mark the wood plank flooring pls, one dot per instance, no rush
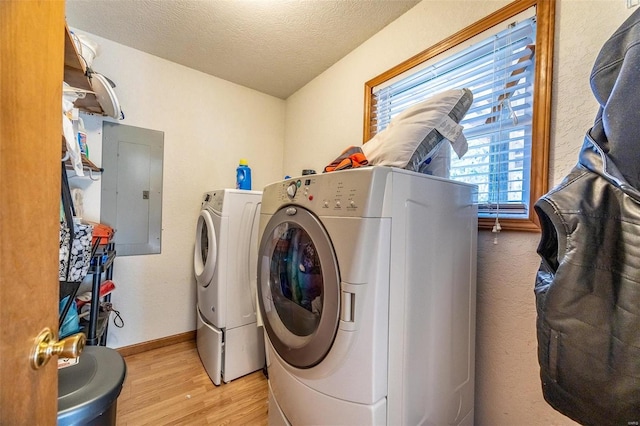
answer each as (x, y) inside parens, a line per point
(169, 386)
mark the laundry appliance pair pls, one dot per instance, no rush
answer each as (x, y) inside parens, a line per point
(229, 342)
(367, 290)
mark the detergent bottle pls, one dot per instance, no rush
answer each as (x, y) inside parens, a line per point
(243, 175)
(82, 138)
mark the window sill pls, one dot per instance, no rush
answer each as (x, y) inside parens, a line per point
(523, 225)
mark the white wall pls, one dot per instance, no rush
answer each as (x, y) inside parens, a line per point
(326, 116)
(208, 125)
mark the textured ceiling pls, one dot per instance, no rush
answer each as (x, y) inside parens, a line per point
(273, 46)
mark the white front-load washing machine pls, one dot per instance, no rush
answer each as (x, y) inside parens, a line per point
(230, 343)
(366, 286)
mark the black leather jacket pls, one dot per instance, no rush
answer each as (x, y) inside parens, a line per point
(588, 284)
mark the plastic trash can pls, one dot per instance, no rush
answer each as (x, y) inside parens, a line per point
(88, 391)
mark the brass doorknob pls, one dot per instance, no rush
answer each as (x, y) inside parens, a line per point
(46, 346)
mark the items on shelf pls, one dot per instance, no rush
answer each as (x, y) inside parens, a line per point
(73, 151)
(87, 165)
(75, 75)
(102, 233)
(105, 288)
(95, 323)
(96, 91)
(85, 249)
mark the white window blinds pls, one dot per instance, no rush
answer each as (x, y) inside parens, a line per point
(499, 70)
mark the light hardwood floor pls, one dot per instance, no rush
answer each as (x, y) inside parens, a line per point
(169, 386)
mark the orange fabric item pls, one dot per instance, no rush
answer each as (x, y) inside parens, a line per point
(350, 158)
(101, 233)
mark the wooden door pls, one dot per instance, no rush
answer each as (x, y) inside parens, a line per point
(31, 74)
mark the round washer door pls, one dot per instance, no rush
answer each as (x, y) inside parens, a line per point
(298, 286)
(205, 254)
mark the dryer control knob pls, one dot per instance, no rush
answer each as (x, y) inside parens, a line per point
(291, 190)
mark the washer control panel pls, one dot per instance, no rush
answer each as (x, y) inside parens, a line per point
(215, 199)
(334, 194)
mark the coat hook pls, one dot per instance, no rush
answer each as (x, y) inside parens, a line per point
(91, 175)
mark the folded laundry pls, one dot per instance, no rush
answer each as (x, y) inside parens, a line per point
(350, 158)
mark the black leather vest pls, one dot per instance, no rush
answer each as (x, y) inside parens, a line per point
(588, 293)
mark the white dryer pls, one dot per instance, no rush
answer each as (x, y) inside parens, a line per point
(229, 342)
(366, 286)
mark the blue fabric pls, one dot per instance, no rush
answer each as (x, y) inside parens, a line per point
(71, 323)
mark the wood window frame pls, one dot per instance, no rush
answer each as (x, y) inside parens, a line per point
(541, 127)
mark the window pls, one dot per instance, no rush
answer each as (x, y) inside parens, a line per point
(505, 59)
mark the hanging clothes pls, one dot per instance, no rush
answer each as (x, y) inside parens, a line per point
(588, 285)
